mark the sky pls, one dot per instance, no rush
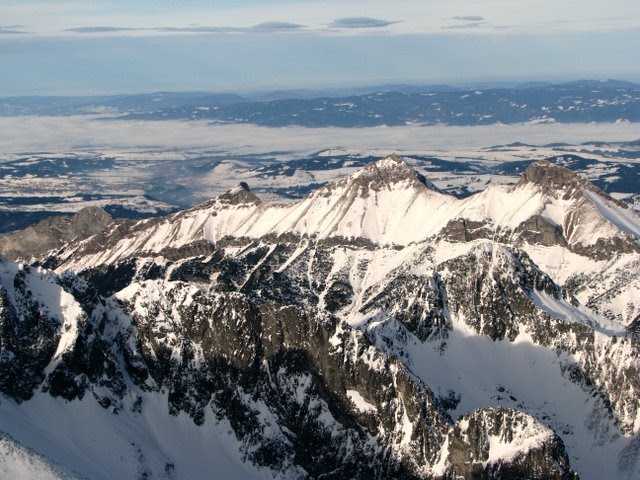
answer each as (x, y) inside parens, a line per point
(121, 46)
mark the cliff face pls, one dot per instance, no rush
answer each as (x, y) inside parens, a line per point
(299, 387)
(53, 232)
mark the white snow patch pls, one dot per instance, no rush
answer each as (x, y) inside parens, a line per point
(523, 376)
(560, 263)
(19, 463)
(624, 219)
(563, 310)
(360, 403)
(531, 435)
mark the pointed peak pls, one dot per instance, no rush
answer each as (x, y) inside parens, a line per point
(560, 181)
(545, 173)
(238, 195)
(554, 178)
(391, 162)
(388, 171)
(92, 213)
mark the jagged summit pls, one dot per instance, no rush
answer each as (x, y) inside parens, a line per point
(384, 175)
(583, 211)
(553, 179)
(559, 181)
(388, 203)
(389, 170)
(545, 173)
(241, 194)
(53, 232)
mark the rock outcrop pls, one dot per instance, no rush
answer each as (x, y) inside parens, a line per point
(53, 232)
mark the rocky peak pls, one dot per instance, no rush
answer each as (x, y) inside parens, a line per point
(89, 220)
(386, 172)
(53, 232)
(239, 195)
(550, 177)
(559, 181)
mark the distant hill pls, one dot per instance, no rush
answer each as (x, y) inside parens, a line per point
(394, 104)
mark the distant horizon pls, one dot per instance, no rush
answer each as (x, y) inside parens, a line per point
(337, 89)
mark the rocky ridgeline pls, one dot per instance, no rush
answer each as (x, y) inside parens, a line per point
(53, 232)
(233, 354)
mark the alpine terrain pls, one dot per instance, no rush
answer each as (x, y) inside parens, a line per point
(377, 328)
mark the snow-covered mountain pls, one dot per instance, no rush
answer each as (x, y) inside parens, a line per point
(145, 182)
(377, 328)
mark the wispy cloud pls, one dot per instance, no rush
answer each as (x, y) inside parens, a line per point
(266, 27)
(361, 22)
(276, 27)
(463, 25)
(470, 21)
(13, 29)
(148, 17)
(469, 18)
(101, 29)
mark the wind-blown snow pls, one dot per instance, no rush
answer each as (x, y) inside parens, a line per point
(563, 310)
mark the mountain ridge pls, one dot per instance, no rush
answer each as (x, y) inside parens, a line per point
(479, 350)
(375, 208)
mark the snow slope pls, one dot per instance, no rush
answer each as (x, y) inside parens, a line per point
(93, 443)
(523, 376)
(20, 463)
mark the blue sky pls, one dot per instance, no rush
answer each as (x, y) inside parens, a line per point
(97, 46)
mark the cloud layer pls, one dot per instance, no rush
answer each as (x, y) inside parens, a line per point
(463, 25)
(20, 134)
(100, 29)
